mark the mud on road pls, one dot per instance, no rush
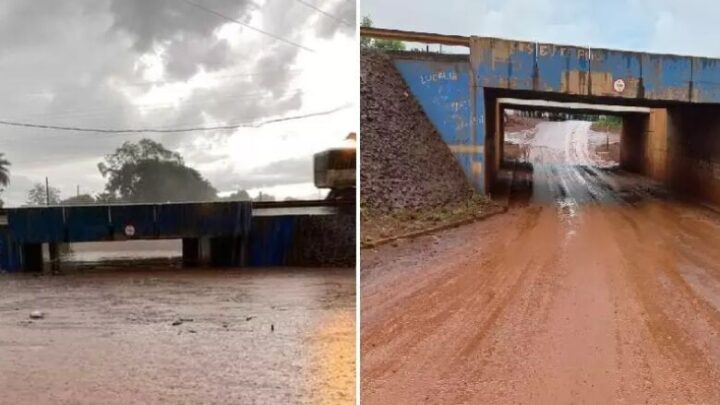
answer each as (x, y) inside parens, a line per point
(177, 336)
(597, 287)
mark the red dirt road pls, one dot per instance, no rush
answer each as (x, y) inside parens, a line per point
(598, 289)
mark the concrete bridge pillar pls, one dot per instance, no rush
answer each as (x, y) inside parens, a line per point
(644, 144)
(216, 252)
(196, 251)
(54, 257)
(32, 257)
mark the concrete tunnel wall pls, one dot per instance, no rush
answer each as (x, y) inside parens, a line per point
(644, 144)
(693, 151)
(678, 146)
(446, 92)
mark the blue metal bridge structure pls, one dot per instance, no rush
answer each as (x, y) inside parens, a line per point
(258, 234)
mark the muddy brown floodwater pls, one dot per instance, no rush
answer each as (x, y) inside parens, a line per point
(596, 287)
(244, 336)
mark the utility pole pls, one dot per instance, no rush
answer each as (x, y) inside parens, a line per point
(47, 191)
(77, 191)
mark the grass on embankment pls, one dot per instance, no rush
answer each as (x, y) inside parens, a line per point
(608, 123)
(377, 228)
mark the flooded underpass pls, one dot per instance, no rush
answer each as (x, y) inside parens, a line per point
(114, 333)
(597, 286)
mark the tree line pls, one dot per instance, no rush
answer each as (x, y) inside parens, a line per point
(142, 172)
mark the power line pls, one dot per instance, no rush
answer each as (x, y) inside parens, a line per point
(201, 101)
(211, 77)
(175, 130)
(271, 35)
(323, 12)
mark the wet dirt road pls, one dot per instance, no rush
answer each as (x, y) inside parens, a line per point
(596, 287)
(108, 337)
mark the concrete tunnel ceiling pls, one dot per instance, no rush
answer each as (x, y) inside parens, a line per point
(530, 104)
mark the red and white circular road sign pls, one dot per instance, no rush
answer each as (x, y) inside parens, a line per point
(619, 85)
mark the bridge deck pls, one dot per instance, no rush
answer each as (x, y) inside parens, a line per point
(239, 233)
(575, 70)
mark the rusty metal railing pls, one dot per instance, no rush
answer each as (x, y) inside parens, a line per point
(414, 36)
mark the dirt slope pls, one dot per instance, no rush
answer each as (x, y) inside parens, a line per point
(404, 162)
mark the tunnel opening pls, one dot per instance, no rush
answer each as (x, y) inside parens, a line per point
(571, 153)
(169, 253)
(113, 254)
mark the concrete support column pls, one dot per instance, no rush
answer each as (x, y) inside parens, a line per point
(227, 252)
(196, 251)
(32, 257)
(633, 142)
(656, 147)
(54, 257)
(644, 144)
(205, 250)
(189, 252)
(216, 251)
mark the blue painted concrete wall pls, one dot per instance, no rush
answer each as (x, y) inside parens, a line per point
(452, 92)
(9, 252)
(270, 241)
(302, 240)
(108, 222)
(446, 93)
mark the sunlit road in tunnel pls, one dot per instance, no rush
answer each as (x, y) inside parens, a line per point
(597, 286)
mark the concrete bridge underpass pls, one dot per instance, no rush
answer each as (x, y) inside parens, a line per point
(670, 104)
(221, 234)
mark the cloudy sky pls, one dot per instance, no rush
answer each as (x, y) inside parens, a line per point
(172, 64)
(686, 27)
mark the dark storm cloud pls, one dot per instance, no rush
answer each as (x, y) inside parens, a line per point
(184, 30)
(72, 62)
(342, 10)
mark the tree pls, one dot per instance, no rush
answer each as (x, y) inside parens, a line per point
(82, 199)
(105, 198)
(264, 197)
(37, 195)
(240, 195)
(148, 172)
(383, 44)
(4, 171)
(4, 174)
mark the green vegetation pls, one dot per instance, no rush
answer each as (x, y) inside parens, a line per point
(82, 199)
(383, 226)
(382, 44)
(38, 196)
(607, 123)
(4, 174)
(142, 172)
(148, 172)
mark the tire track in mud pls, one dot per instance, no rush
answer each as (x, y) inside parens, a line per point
(464, 281)
(472, 314)
(600, 291)
(664, 298)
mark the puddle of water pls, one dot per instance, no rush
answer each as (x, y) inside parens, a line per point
(122, 251)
